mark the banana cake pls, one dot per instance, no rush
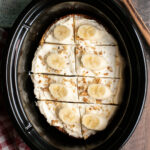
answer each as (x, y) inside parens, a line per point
(77, 72)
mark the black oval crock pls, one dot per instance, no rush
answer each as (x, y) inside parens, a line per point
(18, 88)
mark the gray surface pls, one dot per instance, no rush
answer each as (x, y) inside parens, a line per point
(9, 11)
(143, 8)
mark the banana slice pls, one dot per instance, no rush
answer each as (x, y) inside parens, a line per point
(99, 91)
(68, 115)
(93, 62)
(94, 122)
(61, 32)
(86, 32)
(58, 91)
(56, 61)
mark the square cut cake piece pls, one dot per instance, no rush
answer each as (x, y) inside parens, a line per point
(60, 32)
(88, 31)
(95, 117)
(57, 88)
(99, 61)
(54, 59)
(64, 116)
(100, 90)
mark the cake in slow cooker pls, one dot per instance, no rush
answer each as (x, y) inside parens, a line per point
(77, 72)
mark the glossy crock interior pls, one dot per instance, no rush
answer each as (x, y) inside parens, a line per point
(28, 31)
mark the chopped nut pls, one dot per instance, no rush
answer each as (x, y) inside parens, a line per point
(72, 83)
(110, 69)
(40, 57)
(109, 84)
(83, 131)
(84, 81)
(100, 53)
(65, 47)
(65, 80)
(105, 74)
(54, 48)
(43, 63)
(97, 80)
(72, 126)
(93, 48)
(83, 94)
(45, 89)
(98, 101)
(45, 76)
(61, 51)
(95, 53)
(77, 51)
(85, 99)
(49, 80)
(81, 87)
(54, 121)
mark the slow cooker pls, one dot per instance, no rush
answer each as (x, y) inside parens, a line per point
(18, 88)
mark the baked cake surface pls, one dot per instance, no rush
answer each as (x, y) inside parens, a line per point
(77, 72)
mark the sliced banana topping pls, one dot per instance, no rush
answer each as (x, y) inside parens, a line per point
(56, 61)
(58, 91)
(61, 32)
(69, 115)
(94, 122)
(86, 32)
(99, 91)
(93, 62)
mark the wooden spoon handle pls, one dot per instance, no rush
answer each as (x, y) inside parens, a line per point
(138, 20)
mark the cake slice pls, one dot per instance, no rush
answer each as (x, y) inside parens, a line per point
(95, 117)
(54, 59)
(57, 88)
(100, 90)
(63, 116)
(99, 61)
(60, 32)
(88, 31)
